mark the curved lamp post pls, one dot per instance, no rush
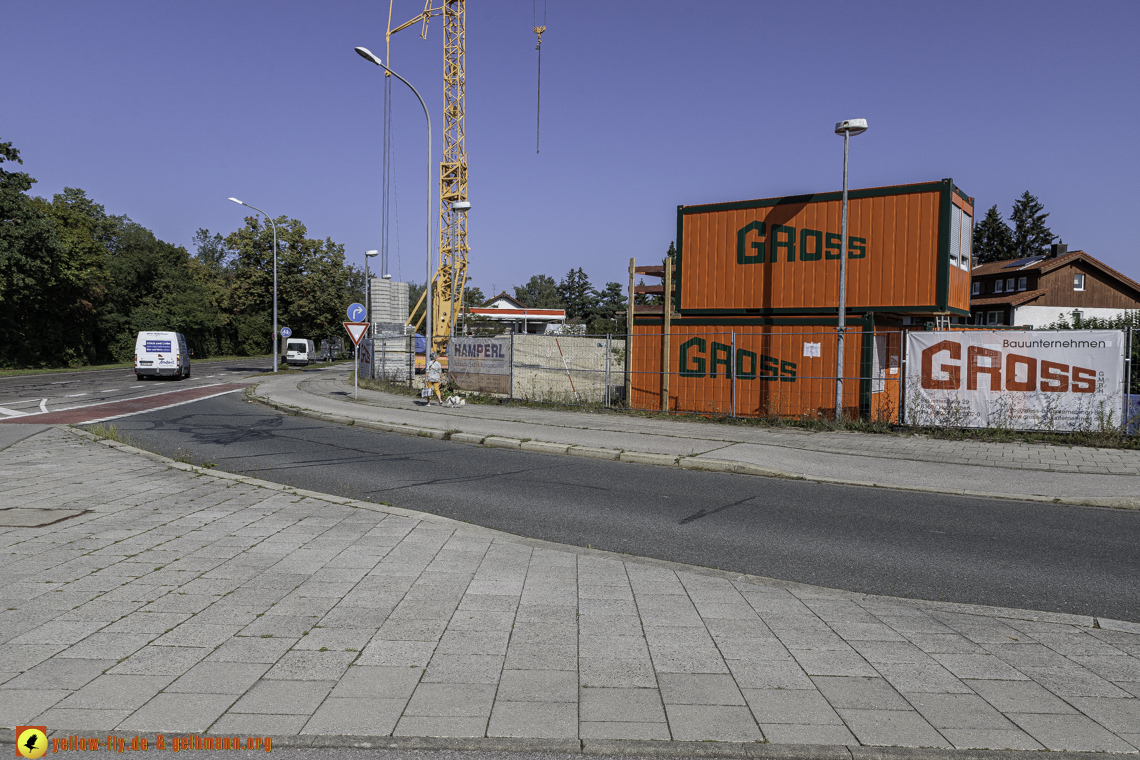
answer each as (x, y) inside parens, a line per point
(847, 129)
(275, 337)
(368, 55)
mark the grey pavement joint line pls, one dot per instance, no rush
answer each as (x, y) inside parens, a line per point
(701, 462)
(295, 540)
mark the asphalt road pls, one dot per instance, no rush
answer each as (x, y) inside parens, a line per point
(1028, 555)
(56, 391)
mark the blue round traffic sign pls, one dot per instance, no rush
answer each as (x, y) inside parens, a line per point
(356, 313)
(286, 332)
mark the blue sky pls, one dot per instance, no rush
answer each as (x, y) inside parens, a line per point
(160, 111)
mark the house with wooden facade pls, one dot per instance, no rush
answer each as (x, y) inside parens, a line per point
(1038, 291)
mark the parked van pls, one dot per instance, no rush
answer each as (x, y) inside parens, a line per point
(300, 352)
(161, 354)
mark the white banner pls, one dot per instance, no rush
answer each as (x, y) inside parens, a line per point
(480, 364)
(1016, 379)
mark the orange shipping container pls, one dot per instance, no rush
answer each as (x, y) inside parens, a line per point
(784, 370)
(909, 252)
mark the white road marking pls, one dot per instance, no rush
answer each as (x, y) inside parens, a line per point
(97, 403)
(73, 395)
(43, 405)
(11, 412)
(159, 408)
(109, 390)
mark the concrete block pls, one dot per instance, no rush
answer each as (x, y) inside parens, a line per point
(800, 706)
(622, 705)
(541, 720)
(178, 712)
(216, 678)
(109, 692)
(699, 689)
(538, 686)
(623, 731)
(592, 453)
(891, 728)
(699, 723)
(807, 733)
(496, 442)
(1071, 733)
(466, 438)
(284, 697)
(642, 457)
(450, 700)
(989, 738)
(545, 447)
(355, 716)
(462, 726)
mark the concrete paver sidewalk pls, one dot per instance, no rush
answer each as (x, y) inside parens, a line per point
(194, 601)
(1100, 477)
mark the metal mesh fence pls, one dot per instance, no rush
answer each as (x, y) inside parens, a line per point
(568, 369)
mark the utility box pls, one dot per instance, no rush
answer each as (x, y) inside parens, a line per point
(908, 253)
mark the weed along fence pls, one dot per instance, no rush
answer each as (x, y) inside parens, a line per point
(586, 370)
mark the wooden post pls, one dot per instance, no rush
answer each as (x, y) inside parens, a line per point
(667, 312)
(629, 343)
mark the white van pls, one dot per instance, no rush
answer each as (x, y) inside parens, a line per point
(161, 354)
(300, 352)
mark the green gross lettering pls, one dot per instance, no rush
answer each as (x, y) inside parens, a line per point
(805, 254)
(742, 255)
(745, 374)
(721, 356)
(788, 243)
(856, 247)
(698, 369)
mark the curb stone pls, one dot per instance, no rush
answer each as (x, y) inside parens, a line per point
(617, 747)
(689, 463)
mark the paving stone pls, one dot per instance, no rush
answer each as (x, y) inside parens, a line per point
(248, 724)
(464, 669)
(979, 666)
(832, 662)
(542, 720)
(807, 733)
(219, 678)
(59, 674)
(699, 689)
(435, 700)
(769, 675)
(20, 706)
(698, 723)
(628, 673)
(847, 692)
(989, 738)
(311, 666)
(284, 697)
(621, 705)
(355, 716)
(251, 649)
(59, 719)
(891, 728)
(198, 635)
(110, 692)
(798, 706)
(160, 661)
(1019, 697)
(178, 712)
(411, 725)
(958, 711)
(538, 686)
(628, 731)
(1117, 715)
(1073, 733)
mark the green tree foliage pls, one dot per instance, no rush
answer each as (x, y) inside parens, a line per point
(77, 284)
(1124, 321)
(993, 239)
(539, 292)
(1030, 235)
(578, 295)
(313, 283)
(605, 320)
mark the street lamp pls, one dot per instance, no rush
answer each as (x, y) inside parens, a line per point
(255, 208)
(368, 300)
(368, 55)
(847, 129)
(463, 206)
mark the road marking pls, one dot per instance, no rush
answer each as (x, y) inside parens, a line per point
(97, 403)
(73, 395)
(11, 412)
(158, 408)
(109, 390)
(43, 405)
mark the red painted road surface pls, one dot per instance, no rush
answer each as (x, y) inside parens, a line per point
(125, 407)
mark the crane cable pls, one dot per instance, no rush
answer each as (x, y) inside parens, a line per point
(538, 30)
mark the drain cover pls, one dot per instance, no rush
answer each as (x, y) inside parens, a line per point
(31, 517)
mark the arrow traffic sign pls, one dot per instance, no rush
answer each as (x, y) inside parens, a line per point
(355, 331)
(356, 312)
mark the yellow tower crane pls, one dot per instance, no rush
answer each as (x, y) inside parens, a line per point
(451, 276)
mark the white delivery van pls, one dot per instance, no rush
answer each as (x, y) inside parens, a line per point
(300, 352)
(161, 354)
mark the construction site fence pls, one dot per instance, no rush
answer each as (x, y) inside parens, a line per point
(770, 372)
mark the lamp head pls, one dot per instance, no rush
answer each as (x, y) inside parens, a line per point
(235, 200)
(368, 55)
(851, 127)
(461, 206)
(370, 254)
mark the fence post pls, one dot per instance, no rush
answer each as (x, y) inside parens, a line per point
(629, 342)
(732, 374)
(512, 388)
(1128, 383)
(667, 312)
(902, 377)
(607, 371)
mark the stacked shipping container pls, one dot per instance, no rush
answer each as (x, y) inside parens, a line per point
(755, 291)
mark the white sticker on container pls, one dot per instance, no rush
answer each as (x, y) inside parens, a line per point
(811, 349)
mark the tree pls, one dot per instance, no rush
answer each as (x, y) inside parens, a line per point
(576, 292)
(211, 250)
(1030, 235)
(993, 240)
(539, 292)
(605, 319)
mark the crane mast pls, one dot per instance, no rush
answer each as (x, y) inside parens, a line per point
(450, 277)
